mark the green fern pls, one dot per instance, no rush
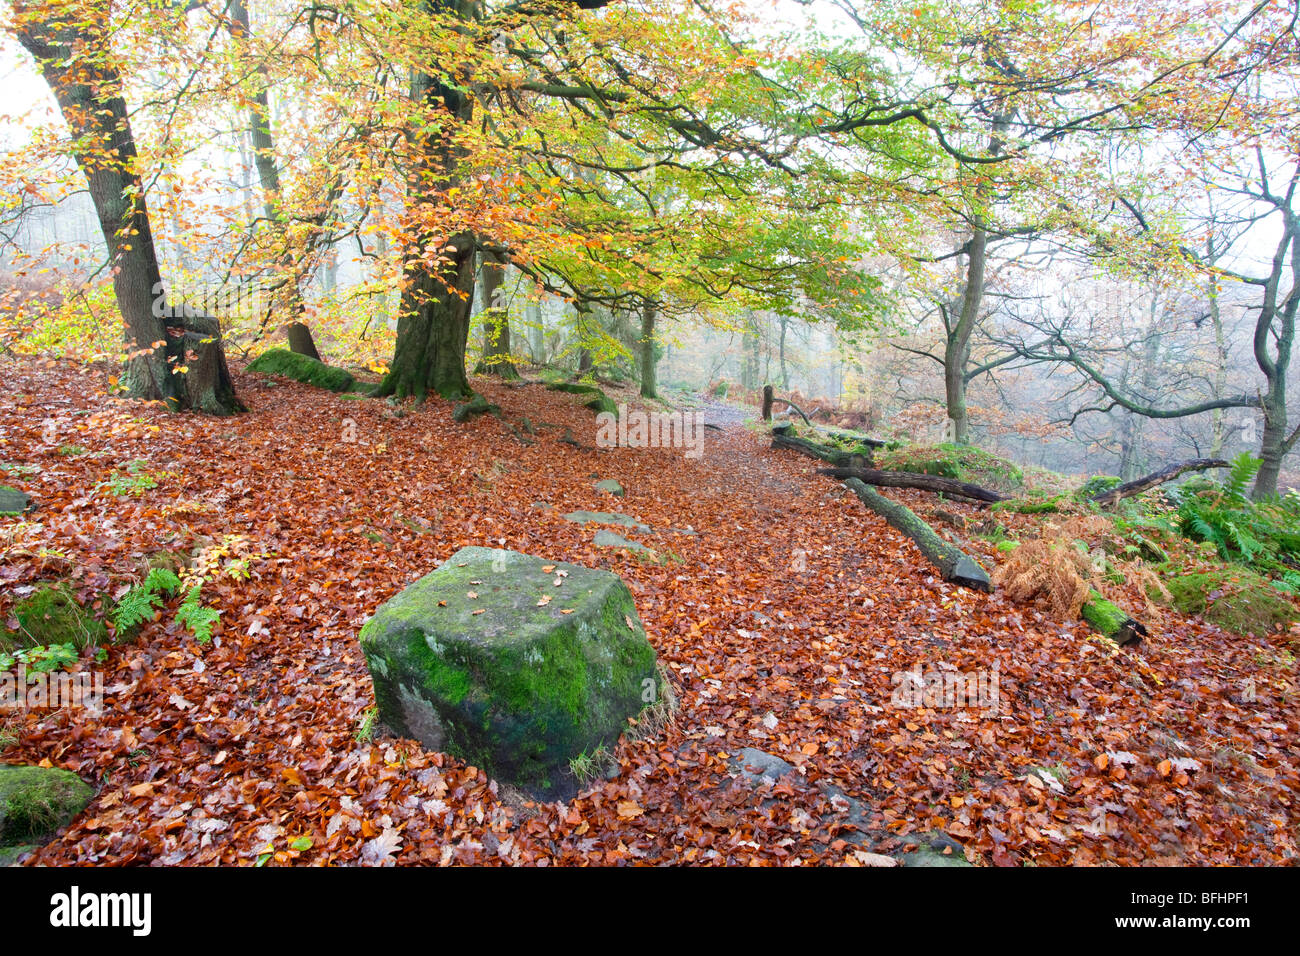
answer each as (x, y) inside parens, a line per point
(198, 620)
(1244, 469)
(138, 604)
(163, 579)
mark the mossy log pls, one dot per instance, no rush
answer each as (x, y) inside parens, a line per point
(1110, 619)
(827, 453)
(303, 369)
(954, 564)
(912, 479)
(1156, 478)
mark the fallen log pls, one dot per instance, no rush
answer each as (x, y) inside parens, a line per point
(1146, 482)
(912, 479)
(1110, 619)
(826, 453)
(856, 437)
(954, 564)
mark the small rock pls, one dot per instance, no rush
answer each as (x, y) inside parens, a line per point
(759, 767)
(608, 539)
(605, 517)
(13, 501)
(611, 486)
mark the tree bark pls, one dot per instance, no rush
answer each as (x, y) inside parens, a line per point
(833, 456)
(288, 289)
(496, 321)
(648, 347)
(438, 279)
(301, 341)
(1147, 482)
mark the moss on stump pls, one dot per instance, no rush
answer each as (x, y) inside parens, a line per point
(302, 368)
(36, 801)
(487, 659)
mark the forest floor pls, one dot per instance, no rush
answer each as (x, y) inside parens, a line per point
(784, 622)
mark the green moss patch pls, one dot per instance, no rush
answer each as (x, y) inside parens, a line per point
(1234, 598)
(959, 462)
(574, 388)
(302, 368)
(602, 403)
(35, 801)
(51, 615)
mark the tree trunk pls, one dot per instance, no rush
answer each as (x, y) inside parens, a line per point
(956, 351)
(433, 326)
(496, 322)
(88, 90)
(301, 341)
(536, 333)
(1272, 446)
(749, 354)
(785, 373)
(1157, 478)
(649, 387)
(433, 314)
(287, 293)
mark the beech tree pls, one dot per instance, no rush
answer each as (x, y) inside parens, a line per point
(172, 357)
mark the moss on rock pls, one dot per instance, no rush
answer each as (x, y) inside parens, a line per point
(602, 403)
(1234, 598)
(302, 368)
(35, 801)
(51, 615)
(485, 658)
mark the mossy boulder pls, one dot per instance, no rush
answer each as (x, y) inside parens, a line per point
(303, 368)
(1234, 598)
(602, 403)
(13, 501)
(36, 801)
(52, 615)
(486, 658)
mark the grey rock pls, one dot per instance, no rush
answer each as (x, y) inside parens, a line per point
(13, 501)
(605, 517)
(759, 767)
(608, 539)
(487, 659)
